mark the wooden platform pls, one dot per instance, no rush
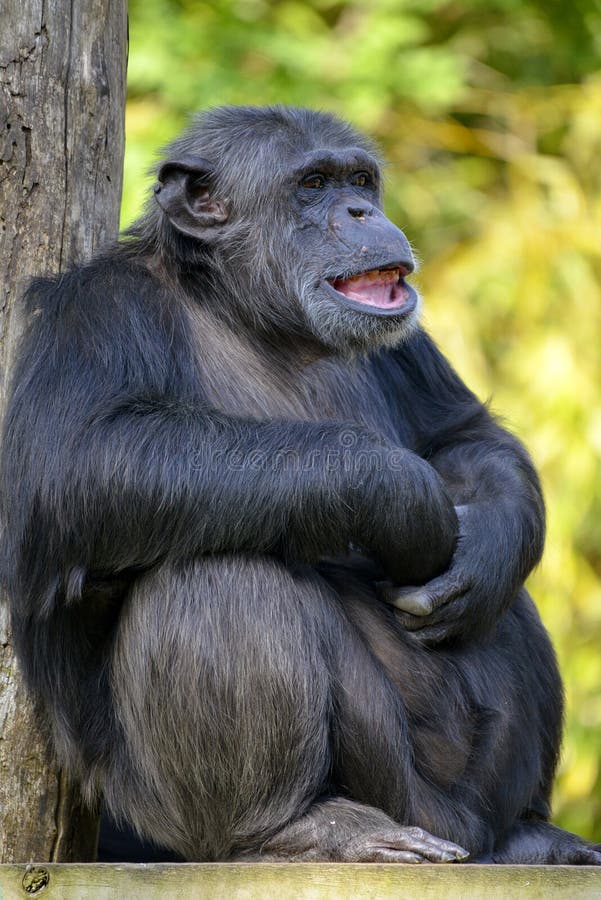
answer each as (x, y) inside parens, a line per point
(290, 881)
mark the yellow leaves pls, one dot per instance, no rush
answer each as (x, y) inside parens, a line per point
(579, 779)
(594, 430)
(148, 125)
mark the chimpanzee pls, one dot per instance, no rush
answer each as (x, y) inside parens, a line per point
(265, 550)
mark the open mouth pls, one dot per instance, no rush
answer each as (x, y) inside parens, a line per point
(381, 288)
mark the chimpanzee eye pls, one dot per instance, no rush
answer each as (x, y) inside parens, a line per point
(314, 181)
(362, 179)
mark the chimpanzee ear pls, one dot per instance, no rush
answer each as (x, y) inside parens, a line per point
(185, 194)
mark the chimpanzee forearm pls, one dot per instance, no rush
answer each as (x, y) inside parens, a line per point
(206, 483)
(493, 485)
(501, 534)
(494, 479)
(145, 479)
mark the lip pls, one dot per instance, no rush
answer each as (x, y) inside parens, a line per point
(410, 294)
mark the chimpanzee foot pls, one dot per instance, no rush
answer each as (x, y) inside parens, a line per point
(535, 842)
(401, 845)
(340, 830)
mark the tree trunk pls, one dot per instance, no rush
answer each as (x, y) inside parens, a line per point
(62, 97)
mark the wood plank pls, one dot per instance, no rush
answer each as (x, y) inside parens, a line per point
(289, 881)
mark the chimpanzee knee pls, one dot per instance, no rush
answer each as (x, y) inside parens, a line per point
(221, 682)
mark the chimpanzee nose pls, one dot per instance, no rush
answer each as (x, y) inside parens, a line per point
(359, 212)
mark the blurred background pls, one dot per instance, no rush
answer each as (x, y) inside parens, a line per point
(489, 113)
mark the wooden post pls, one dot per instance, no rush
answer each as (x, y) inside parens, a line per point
(62, 98)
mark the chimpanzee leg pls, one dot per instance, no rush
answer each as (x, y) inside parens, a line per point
(514, 682)
(527, 757)
(536, 842)
(224, 681)
(222, 692)
(472, 730)
(252, 697)
(484, 720)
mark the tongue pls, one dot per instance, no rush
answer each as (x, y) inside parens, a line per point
(373, 292)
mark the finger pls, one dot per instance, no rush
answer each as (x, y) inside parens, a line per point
(415, 601)
(436, 634)
(390, 855)
(416, 840)
(422, 601)
(583, 856)
(450, 614)
(444, 615)
(412, 623)
(380, 848)
(450, 850)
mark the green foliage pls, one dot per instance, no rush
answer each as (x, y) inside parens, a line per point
(489, 112)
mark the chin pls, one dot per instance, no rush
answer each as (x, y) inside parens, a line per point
(351, 328)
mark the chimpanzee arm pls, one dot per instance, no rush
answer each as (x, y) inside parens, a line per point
(494, 486)
(112, 462)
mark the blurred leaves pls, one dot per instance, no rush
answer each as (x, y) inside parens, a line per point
(489, 113)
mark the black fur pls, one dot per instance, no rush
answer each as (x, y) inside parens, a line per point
(265, 550)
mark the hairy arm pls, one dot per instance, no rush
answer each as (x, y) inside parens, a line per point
(112, 462)
(494, 486)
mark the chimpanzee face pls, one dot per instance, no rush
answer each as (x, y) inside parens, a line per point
(356, 260)
(296, 222)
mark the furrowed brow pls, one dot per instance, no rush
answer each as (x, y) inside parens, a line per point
(343, 161)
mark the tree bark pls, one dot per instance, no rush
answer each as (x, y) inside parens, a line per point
(62, 98)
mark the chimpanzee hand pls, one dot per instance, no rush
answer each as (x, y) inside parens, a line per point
(467, 599)
(403, 516)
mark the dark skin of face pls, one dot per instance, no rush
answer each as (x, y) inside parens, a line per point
(338, 196)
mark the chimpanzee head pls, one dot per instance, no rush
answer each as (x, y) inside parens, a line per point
(281, 208)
